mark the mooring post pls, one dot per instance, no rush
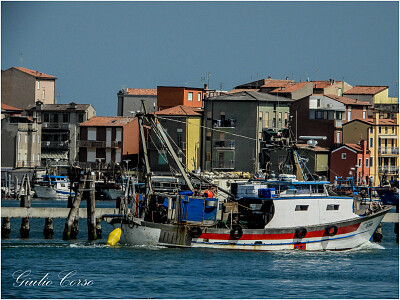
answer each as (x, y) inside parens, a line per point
(6, 228)
(24, 230)
(24, 202)
(91, 207)
(48, 230)
(99, 231)
(71, 225)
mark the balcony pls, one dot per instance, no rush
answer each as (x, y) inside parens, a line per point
(55, 145)
(224, 144)
(388, 169)
(388, 150)
(99, 144)
(223, 164)
(64, 126)
(229, 123)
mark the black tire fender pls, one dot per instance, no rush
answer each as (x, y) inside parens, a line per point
(236, 232)
(331, 230)
(300, 232)
(195, 232)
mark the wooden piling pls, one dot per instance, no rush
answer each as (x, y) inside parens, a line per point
(91, 207)
(71, 225)
(48, 230)
(24, 230)
(6, 228)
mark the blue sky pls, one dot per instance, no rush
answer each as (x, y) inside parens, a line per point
(95, 48)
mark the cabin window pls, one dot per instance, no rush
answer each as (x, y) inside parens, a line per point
(302, 189)
(301, 208)
(318, 188)
(332, 207)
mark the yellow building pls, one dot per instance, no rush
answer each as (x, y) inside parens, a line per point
(371, 94)
(383, 142)
(183, 125)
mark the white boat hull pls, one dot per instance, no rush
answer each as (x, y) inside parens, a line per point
(350, 234)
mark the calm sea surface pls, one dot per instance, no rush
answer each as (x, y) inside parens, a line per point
(371, 271)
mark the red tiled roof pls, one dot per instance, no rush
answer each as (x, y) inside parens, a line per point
(365, 90)
(276, 83)
(348, 101)
(151, 92)
(9, 107)
(321, 84)
(243, 90)
(316, 148)
(291, 87)
(107, 121)
(370, 121)
(355, 147)
(35, 73)
(180, 110)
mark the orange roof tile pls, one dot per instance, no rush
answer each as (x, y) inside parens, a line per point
(348, 101)
(388, 122)
(180, 110)
(243, 90)
(9, 107)
(107, 121)
(291, 87)
(151, 92)
(321, 84)
(35, 73)
(277, 83)
(366, 90)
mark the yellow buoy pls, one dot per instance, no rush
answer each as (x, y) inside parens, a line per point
(114, 237)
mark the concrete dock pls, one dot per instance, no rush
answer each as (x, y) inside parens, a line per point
(50, 212)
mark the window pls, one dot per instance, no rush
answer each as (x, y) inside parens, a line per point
(332, 207)
(386, 130)
(338, 137)
(370, 130)
(266, 119)
(371, 142)
(38, 85)
(349, 116)
(179, 140)
(286, 119)
(344, 155)
(190, 96)
(208, 156)
(371, 162)
(301, 208)
(364, 114)
(26, 139)
(43, 94)
(38, 139)
(199, 97)
(339, 115)
(392, 129)
(19, 156)
(65, 118)
(380, 129)
(318, 102)
(280, 117)
(339, 92)
(19, 138)
(46, 117)
(319, 114)
(359, 162)
(38, 157)
(55, 118)
(33, 157)
(366, 163)
(33, 138)
(260, 115)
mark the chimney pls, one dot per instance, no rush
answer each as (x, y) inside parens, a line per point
(287, 78)
(269, 77)
(331, 81)
(206, 86)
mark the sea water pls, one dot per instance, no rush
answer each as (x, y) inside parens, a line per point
(39, 268)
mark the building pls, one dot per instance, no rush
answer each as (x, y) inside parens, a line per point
(183, 125)
(324, 115)
(294, 91)
(234, 126)
(371, 94)
(382, 140)
(20, 142)
(330, 87)
(130, 101)
(8, 110)
(170, 96)
(23, 87)
(264, 83)
(108, 139)
(60, 129)
(351, 160)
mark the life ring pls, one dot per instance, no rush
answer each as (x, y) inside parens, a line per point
(236, 232)
(300, 232)
(208, 194)
(331, 230)
(195, 232)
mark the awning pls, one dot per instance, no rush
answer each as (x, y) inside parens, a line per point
(56, 154)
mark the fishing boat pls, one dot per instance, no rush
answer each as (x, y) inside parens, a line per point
(276, 214)
(53, 187)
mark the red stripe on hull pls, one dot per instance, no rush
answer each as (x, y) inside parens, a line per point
(278, 236)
